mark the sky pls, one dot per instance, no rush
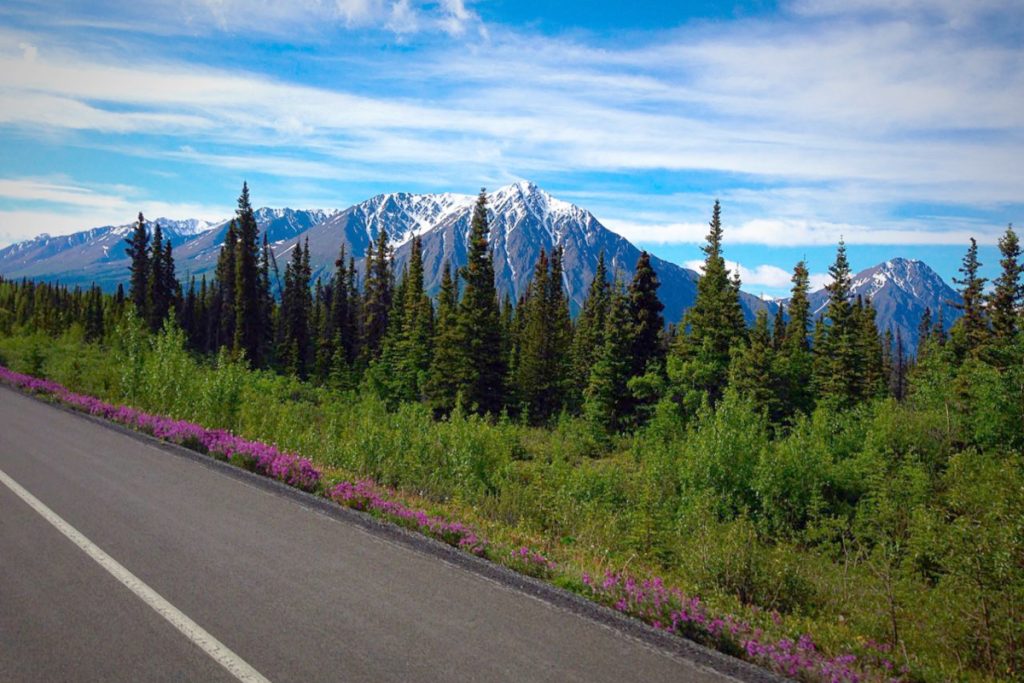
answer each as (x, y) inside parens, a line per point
(896, 125)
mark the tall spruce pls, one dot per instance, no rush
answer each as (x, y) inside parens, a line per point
(752, 369)
(224, 291)
(295, 353)
(607, 401)
(873, 373)
(645, 311)
(542, 370)
(377, 295)
(794, 362)
(248, 340)
(837, 351)
(138, 252)
(588, 339)
(971, 331)
(1007, 297)
(698, 364)
(160, 285)
(442, 386)
(482, 376)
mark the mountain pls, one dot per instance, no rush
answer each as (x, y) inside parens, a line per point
(524, 220)
(900, 290)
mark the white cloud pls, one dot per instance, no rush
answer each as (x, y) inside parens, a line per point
(764, 276)
(60, 206)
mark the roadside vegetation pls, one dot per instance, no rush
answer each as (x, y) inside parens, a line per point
(843, 512)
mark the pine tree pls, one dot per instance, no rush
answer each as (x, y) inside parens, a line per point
(415, 344)
(898, 376)
(442, 385)
(158, 297)
(343, 340)
(1004, 304)
(751, 370)
(296, 309)
(138, 252)
(873, 376)
(837, 371)
(924, 331)
(698, 363)
(482, 376)
(223, 313)
(588, 340)
(645, 311)
(971, 331)
(248, 340)
(94, 315)
(607, 401)
(543, 360)
(378, 294)
(265, 311)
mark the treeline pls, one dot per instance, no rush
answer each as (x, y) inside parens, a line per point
(615, 365)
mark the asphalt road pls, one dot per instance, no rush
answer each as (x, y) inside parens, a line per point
(298, 594)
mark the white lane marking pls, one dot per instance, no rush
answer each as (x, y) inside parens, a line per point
(190, 629)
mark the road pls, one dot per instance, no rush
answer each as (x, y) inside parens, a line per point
(294, 592)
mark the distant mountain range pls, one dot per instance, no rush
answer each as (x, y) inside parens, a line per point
(524, 219)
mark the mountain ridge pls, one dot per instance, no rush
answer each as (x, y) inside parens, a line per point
(524, 219)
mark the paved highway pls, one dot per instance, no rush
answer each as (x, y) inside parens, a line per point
(277, 584)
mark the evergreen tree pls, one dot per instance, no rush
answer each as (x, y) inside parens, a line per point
(898, 376)
(870, 351)
(443, 383)
(94, 315)
(416, 337)
(265, 310)
(159, 296)
(924, 331)
(837, 352)
(378, 294)
(248, 340)
(296, 309)
(751, 371)
(483, 369)
(1004, 304)
(645, 311)
(698, 364)
(607, 401)
(223, 313)
(588, 340)
(543, 360)
(343, 336)
(971, 331)
(138, 252)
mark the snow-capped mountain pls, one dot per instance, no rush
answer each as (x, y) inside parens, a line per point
(524, 219)
(95, 255)
(900, 290)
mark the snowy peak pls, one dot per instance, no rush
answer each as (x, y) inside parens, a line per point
(909, 275)
(403, 214)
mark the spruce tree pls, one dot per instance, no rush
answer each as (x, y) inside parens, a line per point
(1004, 304)
(443, 382)
(698, 364)
(138, 252)
(607, 401)
(378, 294)
(837, 352)
(416, 337)
(898, 376)
(971, 331)
(645, 311)
(751, 370)
(873, 375)
(265, 311)
(248, 333)
(224, 291)
(543, 360)
(296, 308)
(588, 339)
(482, 375)
(158, 298)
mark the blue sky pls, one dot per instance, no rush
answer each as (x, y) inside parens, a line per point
(897, 124)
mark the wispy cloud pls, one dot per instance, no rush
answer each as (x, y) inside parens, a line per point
(819, 122)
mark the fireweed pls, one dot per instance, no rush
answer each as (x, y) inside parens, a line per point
(665, 608)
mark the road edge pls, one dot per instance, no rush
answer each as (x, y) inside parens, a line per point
(676, 646)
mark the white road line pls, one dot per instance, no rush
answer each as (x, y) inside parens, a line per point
(191, 630)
